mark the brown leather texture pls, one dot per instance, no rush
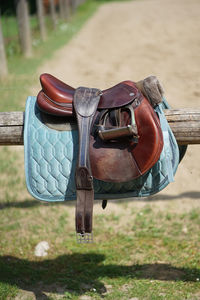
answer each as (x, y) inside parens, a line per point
(113, 160)
(84, 211)
(124, 160)
(85, 105)
(107, 158)
(56, 97)
(49, 106)
(56, 89)
(119, 95)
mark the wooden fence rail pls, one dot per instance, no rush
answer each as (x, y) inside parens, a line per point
(185, 124)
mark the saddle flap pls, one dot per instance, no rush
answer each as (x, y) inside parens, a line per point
(123, 159)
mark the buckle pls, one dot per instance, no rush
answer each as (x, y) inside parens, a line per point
(84, 238)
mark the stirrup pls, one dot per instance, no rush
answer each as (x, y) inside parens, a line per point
(84, 238)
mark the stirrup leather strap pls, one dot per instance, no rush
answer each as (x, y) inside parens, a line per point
(85, 105)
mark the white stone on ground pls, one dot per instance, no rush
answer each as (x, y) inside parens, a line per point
(41, 249)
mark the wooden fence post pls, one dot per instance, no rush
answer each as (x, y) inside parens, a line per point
(53, 13)
(61, 9)
(41, 20)
(24, 27)
(67, 10)
(73, 5)
(3, 61)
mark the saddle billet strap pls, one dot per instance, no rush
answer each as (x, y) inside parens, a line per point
(85, 105)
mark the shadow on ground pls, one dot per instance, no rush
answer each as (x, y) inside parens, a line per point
(78, 273)
(159, 197)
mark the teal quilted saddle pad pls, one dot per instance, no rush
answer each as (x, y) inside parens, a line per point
(51, 157)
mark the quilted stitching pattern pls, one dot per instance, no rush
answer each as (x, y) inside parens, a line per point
(50, 162)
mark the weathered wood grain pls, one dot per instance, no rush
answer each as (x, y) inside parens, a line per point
(185, 124)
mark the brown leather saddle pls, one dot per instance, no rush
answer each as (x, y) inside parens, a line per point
(120, 137)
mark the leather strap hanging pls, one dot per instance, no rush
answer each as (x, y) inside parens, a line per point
(85, 105)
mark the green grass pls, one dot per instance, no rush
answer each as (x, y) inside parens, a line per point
(138, 252)
(120, 265)
(15, 88)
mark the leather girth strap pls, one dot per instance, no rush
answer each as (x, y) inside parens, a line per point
(85, 105)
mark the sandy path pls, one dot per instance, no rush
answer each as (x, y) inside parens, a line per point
(132, 40)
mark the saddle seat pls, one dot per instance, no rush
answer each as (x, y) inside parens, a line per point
(56, 96)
